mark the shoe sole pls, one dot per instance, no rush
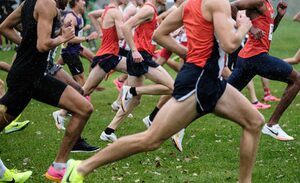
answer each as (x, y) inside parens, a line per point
(176, 145)
(275, 137)
(20, 129)
(81, 151)
(49, 177)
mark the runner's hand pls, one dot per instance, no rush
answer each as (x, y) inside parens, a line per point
(93, 35)
(281, 8)
(243, 21)
(137, 57)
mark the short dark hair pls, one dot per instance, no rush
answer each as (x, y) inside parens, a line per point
(72, 3)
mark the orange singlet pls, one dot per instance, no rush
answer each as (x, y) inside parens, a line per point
(264, 22)
(200, 34)
(110, 40)
(143, 34)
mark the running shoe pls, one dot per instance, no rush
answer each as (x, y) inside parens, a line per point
(55, 175)
(118, 84)
(126, 97)
(59, 120)
(82, 146)
(276, 132)
(260, 105)
(271, 98)
(147, 121)
(15, 126)
(72, 176)
(109, 138)
(115, 106)
(15, 176)
(177, 140)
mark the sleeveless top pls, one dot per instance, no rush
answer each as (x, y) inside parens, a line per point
(110, 39)
(264, 22)
(143, 34)
(30, 64)
(74, 48)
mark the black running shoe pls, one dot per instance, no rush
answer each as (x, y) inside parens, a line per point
(82, 146)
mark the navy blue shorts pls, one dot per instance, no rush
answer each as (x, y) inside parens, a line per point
(139, 69)
(264, 65)
(208, 88)
(107, 62)
(232, 58)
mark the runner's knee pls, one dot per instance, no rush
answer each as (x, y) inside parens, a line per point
(255, 123)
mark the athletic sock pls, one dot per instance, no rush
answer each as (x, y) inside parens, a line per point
(59, 166)
(153, 113)
(109, 131)
(267, 91)
(2, 169)
(132, 90)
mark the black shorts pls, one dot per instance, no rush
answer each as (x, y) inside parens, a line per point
(123, 52)
(262, 64)
(208, 88)
(139, 69)
(107, 62)
(74, 63)
(47, 90)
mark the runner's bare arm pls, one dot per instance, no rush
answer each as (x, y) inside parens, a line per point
(94, 16)
(118, 22)
(229, 37)
(162, 16)
(145, 14)
(297, 17)
(170, 24)
(7, 27)
(45, 11)
(71, 20)
(247, 4)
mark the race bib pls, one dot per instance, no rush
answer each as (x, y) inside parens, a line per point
(271, 31)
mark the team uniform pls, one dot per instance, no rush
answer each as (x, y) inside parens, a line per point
(124, 47)
(71, 53)
(201, 74)
(27, 78)
(254, 59)
(181, 38)
(107, 56)
(145, 46)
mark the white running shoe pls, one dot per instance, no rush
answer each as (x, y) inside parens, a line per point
(115, 106)
(126, 97)
(147, 121)
(110, 138)
(59, 120)
(177, 139)
(276, 132)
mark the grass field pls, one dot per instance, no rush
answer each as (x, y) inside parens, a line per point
(211, 144)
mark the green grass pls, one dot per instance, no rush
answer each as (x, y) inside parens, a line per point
(211, 144)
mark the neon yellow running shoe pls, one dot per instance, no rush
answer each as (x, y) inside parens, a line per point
(71, 175)
(15, 176)
(16, 126)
